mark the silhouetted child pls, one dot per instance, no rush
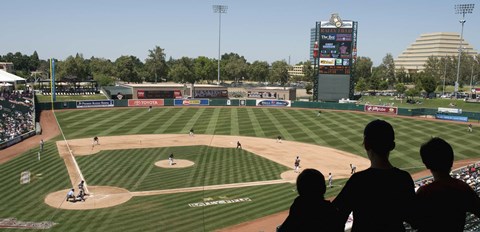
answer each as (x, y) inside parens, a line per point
(443, 203)
(380, 197)
(310, 211)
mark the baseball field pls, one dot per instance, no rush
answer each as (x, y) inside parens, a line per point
(213, 185)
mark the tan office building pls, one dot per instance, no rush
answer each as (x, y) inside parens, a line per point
(439, 44)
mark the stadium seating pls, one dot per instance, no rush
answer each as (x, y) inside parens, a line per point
(17, 115)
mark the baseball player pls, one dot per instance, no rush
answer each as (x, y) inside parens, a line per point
(170, 159)
(330, 179)
(353, 169)
(297, 164)
(191, 132)
(81, 186)
(239, 145)
(41, 145)
(71, 194)
(279, 139)
(470, 128)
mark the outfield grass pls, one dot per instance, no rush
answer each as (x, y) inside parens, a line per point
(425, 103)
(341, 130)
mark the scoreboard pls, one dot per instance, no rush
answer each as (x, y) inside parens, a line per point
(337, 47)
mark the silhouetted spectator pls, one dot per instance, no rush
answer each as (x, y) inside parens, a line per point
(443, 204)
(310, 211)
(380, 197)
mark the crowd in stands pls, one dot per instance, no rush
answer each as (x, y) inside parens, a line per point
(16, 114)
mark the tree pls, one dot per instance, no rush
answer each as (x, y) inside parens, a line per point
(205, 68)
(34, 61)
(182, 71)
(75, 68)
(155, 64)
(428, 82)
(308, 71)
(235, 68)
(279, 72)
(363, 68)
(400, 88)
(389, 69)
(361, 85)
(258, 71)
(127, 68)
(402, 75)
(101, 66)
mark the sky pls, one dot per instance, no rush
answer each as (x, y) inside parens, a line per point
(264, 30)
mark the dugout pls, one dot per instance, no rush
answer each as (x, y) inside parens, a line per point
(279, 93)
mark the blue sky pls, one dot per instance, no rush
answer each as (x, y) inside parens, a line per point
(266, 30)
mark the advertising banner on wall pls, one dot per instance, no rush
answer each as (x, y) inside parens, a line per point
(449, 110)
(451, 117)
(158, 94)
(191, 102)
(95, 104)
(274, 103)
(381, 109)
(146, 102)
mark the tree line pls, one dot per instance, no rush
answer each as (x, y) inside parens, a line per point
(436, 72)
(155, 68)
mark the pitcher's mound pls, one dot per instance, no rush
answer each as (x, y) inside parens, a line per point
(99, 197)
(178, 163)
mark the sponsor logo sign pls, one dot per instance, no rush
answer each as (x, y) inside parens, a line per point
(191, 102)
(381, 109)
(219, 202)
(449, 110)
(95, 104)
(275, 103)
(451, 117)
(327, 61)
(146, 102)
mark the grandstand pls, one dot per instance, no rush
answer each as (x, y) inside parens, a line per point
(17, 117)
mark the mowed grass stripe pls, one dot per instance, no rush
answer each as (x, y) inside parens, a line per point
(170, 121)
(234, 126)
(151, 122)
(298, 123)
(191, 123)
(92, 126)
(254, 123)
(277, 125)
(128, 122)
(212, 124)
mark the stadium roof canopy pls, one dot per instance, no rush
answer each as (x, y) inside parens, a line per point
(8, 77)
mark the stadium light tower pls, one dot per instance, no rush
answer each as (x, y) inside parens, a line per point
(220, 9)
(461, 9)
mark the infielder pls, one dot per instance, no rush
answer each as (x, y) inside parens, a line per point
(297, 164)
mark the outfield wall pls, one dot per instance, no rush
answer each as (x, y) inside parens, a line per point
(255, 102)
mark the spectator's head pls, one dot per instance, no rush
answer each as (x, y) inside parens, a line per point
(437, 155)
(379, 137)
(311, 183)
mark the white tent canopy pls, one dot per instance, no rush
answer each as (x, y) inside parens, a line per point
(8, 77)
